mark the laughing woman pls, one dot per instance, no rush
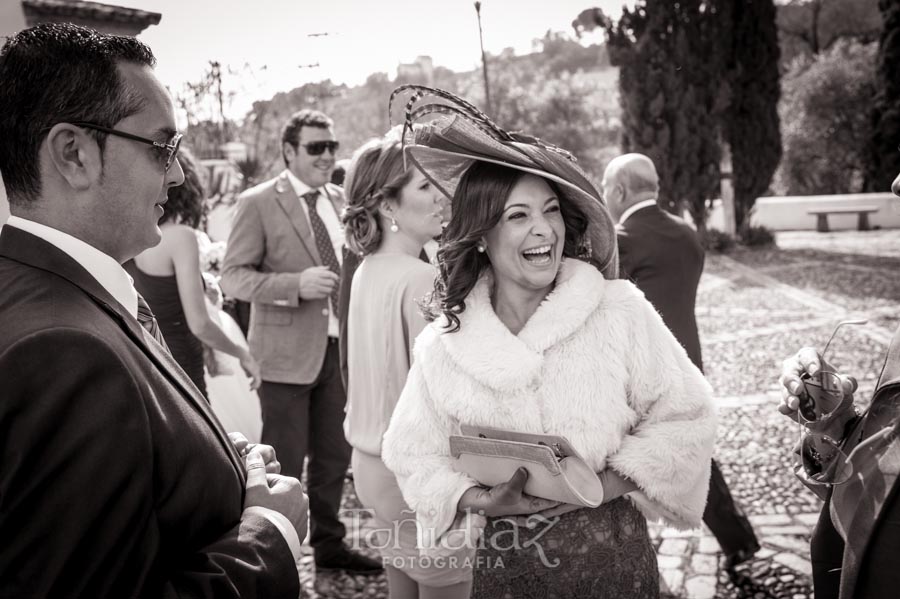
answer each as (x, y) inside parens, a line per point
(532, 333)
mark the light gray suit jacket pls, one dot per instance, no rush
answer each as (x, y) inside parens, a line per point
(270, 244)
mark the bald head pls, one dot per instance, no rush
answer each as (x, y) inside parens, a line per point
(629, 179)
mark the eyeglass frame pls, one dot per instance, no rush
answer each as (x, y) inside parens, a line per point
(171, 147)
(331, 145)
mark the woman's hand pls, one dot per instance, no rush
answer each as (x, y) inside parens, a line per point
(614, 485)
(505, 499)
(251, 367)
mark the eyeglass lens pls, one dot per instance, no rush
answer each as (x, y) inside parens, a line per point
(315, 148)
(823, 460)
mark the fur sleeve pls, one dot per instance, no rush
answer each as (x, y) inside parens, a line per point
(667, 454)
(417, 449)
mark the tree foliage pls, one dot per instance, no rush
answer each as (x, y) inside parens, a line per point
(751, 124)
(808, 27)
(825, 133)
(883, 157)
(672, 93)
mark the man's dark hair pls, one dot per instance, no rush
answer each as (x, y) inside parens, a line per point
(59, 73)
(304, 118)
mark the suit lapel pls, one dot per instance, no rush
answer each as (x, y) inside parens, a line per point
(290, 204)
(31, 250)
(857, 507)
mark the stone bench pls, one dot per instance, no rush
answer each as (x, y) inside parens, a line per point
(822, 216)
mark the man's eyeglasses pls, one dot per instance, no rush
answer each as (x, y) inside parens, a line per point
(317, 148)
(170, 147)
(821, 457)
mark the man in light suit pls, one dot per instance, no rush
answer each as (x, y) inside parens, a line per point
(284, 256)
(661, 254)
(116, 479)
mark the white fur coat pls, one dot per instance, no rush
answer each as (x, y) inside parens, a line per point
(594, 363)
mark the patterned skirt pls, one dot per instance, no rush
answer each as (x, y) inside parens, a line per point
(602, 553)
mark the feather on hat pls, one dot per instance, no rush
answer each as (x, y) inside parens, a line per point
(459, 134)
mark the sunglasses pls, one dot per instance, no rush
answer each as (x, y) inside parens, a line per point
(317, 148)
(821, 457)
(167, 150)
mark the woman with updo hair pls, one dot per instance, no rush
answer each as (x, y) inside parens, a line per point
(391, 213)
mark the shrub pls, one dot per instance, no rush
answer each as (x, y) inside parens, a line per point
(718, 242)
(758, 236)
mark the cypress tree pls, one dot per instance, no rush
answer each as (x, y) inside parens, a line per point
(751, 122)
(670, 80)
(883, 156)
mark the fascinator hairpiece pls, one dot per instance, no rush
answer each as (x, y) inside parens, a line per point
(451, 134)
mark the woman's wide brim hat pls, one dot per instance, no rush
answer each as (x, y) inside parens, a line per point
(457, 135)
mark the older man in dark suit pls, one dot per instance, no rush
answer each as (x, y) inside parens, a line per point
(284, 255)
(661, 254)
(116, 480)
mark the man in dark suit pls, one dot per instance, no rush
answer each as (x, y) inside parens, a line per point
(855, 546)
(116, 480)
(284, 255)
(661, 254)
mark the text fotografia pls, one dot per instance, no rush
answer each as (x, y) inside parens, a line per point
(424, 562)
(456, 547)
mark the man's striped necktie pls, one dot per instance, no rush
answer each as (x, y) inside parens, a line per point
(148, 321)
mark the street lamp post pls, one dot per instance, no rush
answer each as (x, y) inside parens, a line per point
(484, 68)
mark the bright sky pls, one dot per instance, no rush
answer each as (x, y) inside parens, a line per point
(363, 37)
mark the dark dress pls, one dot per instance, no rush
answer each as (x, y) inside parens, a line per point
(161, 294)
(601, 553)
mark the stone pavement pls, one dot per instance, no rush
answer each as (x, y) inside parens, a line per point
(754, 309)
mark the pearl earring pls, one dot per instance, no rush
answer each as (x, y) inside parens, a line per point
(394, 227)
(480, 249)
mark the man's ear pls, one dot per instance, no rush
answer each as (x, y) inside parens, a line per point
(288, 151)
(74, 155)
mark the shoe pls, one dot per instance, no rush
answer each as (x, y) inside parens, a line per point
(739, 557)
(348, 561)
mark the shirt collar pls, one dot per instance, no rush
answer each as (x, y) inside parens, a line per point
(635, 208)
(300, 188)
(109, 273)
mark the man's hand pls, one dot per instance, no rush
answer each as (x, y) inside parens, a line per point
(283, 494)
(251, 368)
(243, 446)
(505, 499)
(805, 361)
(317, 282)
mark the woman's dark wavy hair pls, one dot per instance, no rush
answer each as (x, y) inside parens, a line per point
(477, 207)
(187, 202)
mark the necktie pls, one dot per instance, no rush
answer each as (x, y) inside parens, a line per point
(148, 321)
(323, 242)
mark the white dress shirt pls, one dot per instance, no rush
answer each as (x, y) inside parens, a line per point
(113, 278)
(635, 208)
(325, 210)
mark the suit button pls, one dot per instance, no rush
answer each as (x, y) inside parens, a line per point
(325, 312)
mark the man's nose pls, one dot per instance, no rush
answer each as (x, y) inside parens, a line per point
(175, 174)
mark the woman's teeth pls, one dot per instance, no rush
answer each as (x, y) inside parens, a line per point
(539, 255)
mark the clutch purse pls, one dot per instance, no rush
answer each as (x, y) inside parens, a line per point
(555, 469)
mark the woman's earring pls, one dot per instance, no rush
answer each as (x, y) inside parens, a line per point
(480, 248)
(394, 227)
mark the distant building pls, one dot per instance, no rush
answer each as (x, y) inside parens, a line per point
(421, 71)
(15, 16)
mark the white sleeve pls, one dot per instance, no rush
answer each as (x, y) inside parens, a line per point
(417, 449)
(668, 453)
